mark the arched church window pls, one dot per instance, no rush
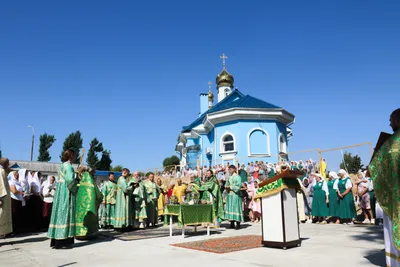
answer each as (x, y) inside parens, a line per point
(258, 142)
(282, 144)
(228, 143)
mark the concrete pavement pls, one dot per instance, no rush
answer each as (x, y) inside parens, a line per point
(323, 245)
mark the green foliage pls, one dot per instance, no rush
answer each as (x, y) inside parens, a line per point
(74, 142)
(1, 154)
(116, 168)
(46, 141)
(351, 163)
(105, 161)
(169, 163)
(92, 158)
(141, 174)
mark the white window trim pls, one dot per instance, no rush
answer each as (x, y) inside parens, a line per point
(268, 144)
(222, 148)
(279, 143)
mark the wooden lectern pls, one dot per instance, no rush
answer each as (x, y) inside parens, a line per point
(280, 218)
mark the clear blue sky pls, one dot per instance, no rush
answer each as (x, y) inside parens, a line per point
(130, 72)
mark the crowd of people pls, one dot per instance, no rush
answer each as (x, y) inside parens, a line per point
(72, 206)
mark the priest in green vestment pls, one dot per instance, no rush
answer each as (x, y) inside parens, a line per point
(123, 206)
(385, 172)
(139, 201)
(233, 209)
(62, 223)
(152, 192)
(88, 200)
(211, 192)
(192, 188)
(109, 191)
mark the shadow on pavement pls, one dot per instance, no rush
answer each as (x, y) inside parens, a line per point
(83, 243)
(26, 240)
(376, 258)
(372, 233)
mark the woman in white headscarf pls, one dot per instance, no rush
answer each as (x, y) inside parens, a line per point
(347, 209)
(333, 196)
(23, 179)
(320, 202)
(17, 202)
(49, 187)
(34, 204)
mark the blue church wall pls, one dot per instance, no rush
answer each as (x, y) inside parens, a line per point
(258, 145)
(192, 156)
(246, 149)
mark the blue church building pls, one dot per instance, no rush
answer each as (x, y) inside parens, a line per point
(239, 128)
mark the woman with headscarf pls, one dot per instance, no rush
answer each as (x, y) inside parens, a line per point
(364, 197)
(320, 199)
(347, 209)
(5, 200)
(300, 202)
(62, 223)
(48, 191)
(17, 202)
(23, 180)
(333, 196)
(256, 203)
(34, 204)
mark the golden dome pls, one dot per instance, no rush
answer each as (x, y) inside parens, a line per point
(210, 96)
(224, 79)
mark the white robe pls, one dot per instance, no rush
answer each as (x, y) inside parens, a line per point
(392, 253)
(5, 210)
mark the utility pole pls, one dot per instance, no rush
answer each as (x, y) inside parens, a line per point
(33, 140)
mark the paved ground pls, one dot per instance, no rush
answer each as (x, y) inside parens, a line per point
(323, 245)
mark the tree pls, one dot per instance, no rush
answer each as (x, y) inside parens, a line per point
(351, 163)
(92, 158)
(117, 168)
(1, 154)
(169, 163)
(46, 141)
(105, 161)
(74, 142)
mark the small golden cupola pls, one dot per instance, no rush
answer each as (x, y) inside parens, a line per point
(210, 96)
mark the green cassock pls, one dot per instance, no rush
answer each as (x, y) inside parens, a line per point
(319, 207)
(152, 193)
(385, 173)
(123, 206)
(233, 209)
(62, 222)
(212, 188)
(139, 202)
(109, 191)
(88, 200)
(333, 199)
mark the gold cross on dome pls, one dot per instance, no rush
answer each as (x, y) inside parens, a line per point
(223, 57)
(209, 86)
